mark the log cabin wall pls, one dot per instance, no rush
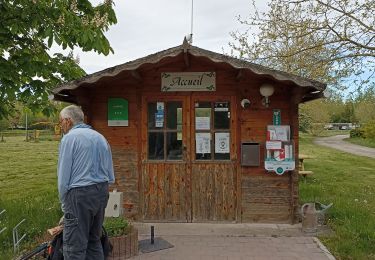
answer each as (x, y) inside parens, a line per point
(267, 197)
(123, 140)
(220, 192)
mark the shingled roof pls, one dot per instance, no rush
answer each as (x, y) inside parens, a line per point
(195, 51)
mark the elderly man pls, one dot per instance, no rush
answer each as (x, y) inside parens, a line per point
(84, 171)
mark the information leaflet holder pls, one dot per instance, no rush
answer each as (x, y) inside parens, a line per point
(279, 156)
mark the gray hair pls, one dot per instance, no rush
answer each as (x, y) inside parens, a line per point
(73, 112)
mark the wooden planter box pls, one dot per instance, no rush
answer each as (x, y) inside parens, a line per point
(124, 246)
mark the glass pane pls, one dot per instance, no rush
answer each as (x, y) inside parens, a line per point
(205, 156)
(221, 115)
(156, 146)
(203, 146)
(222, 146)
(222, 156)
(174, 146)
(155, 117)
(203, 116)
(174, 115)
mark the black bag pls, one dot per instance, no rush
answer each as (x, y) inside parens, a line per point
(55, 248)
(106, 244)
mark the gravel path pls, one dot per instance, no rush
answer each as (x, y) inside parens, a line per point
(338, 143)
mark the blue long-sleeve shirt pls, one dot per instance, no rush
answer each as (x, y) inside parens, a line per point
(85, 158)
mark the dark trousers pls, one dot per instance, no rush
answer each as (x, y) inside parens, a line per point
(83, 220)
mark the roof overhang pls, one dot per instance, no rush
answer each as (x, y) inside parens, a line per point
(62, 92)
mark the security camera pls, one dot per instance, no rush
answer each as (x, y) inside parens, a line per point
(245, 103)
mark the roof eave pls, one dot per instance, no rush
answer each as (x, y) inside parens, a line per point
(195, 51)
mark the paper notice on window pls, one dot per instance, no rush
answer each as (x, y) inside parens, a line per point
(202, 123)
(202, 143)
(159, 119)
(221, 142)
(160, 106)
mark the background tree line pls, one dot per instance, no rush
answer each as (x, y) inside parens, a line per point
(359, 110)
(16, 120)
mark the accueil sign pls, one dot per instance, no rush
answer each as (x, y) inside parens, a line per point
(188, 81)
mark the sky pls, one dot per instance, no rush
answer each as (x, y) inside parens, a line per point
(145, 27)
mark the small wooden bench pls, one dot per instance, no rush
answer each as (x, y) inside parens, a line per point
(305, 173)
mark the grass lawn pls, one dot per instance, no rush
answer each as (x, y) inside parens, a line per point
(349, 182)
(362, 141)
(28, 189)
(326, 133)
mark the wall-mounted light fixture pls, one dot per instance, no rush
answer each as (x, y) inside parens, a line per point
(245, 103)
(266, 90)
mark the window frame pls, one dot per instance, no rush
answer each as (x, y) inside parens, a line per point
(165, 130)
(212, 130)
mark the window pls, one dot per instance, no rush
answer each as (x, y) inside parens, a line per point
(164, 130)
(212, 131)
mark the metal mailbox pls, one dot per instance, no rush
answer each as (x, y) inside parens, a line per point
(250, 154)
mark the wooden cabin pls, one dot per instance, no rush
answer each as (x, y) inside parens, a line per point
(190, 135)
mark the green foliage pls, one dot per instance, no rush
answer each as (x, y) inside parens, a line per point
(369, 130)
(356, 132)
(349, 182)
(314, 116)
(364, 105)
(304, 122)
(28, 28)
(4, 124)
(116, 226)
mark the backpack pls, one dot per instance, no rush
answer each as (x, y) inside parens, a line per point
(55, 248)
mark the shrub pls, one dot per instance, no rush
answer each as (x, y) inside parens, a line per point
(117, 226)
(304, 122)
(357, 133)
(369, 130)
(316, 129)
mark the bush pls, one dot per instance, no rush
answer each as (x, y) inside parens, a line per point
(316, 129)
(304, 122)
(357, 133)
(117, 226)
(369, 130)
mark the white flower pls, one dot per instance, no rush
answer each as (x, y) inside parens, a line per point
(356, 200)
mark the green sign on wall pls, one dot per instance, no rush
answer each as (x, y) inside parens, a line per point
(118, 112)
(277, 117)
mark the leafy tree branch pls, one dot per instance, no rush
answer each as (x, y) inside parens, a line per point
(296, 36)
(28, 29)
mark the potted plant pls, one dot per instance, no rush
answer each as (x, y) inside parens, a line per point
(123, 237)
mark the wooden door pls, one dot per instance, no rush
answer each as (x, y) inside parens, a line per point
(165, 180)
(213, 167)
(186, 175)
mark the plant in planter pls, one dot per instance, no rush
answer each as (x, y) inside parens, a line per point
(123, 237)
